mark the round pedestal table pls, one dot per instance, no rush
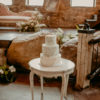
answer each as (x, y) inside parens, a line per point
(63, 70)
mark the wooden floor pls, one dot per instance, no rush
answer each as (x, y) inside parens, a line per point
(91, 93)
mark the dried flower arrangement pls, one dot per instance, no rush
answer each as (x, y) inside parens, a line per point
(7, 74)
(33, 24)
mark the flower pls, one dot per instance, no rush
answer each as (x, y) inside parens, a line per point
(62, 37)
(7, 74)
(33, 24)
(65, 39)
(22, 23)
(59, 32)
(26, 27)
(12, 69)
(1, 71)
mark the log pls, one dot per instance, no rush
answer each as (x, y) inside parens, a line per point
(84, 58)
(2, 56)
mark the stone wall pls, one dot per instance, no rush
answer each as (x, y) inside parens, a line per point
(65, 16)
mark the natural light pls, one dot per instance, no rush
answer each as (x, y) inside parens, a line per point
(83, 3)
(6, 2)
(35, 2)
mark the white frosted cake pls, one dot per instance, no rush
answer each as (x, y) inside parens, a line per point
(50, 55)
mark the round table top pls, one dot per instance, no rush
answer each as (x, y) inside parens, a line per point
(66, 66)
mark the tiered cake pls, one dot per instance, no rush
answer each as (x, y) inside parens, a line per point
(50, 55)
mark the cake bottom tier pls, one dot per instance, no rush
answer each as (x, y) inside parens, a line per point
(50, 61)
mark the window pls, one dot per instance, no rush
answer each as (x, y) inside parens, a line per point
(6, 2)
(51, 5)
(35, 2)
(83, 3)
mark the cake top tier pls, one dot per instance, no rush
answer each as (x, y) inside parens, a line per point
(50, 39)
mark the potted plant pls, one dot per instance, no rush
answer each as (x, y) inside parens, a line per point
(7, 74)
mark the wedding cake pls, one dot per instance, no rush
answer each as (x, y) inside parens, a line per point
(50, 55)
